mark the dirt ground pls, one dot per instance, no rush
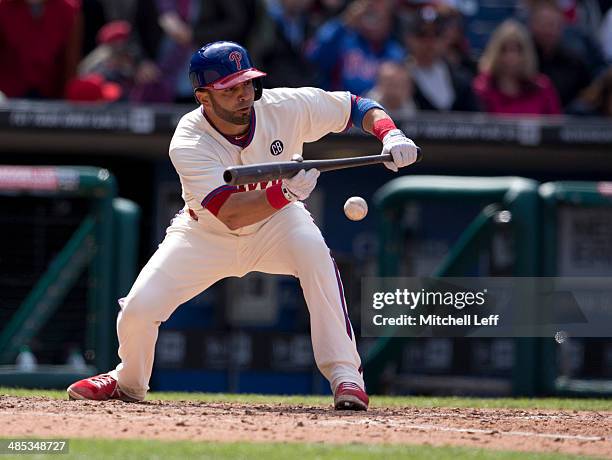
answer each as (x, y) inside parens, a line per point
(574, 432)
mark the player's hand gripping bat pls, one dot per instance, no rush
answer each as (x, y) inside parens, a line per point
(261, 172)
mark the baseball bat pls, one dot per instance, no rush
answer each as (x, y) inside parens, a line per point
(262, 172)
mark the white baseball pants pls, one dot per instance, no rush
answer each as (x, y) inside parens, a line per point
(192, 257)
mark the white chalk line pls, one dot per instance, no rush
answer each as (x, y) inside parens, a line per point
(576, 437)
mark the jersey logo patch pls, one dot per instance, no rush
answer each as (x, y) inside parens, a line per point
(236, 57)
(276, 147)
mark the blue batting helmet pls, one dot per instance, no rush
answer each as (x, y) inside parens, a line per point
(221, 65)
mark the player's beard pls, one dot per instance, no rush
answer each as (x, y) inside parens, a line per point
(236, 118)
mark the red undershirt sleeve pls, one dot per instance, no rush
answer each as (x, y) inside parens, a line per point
(217, 198)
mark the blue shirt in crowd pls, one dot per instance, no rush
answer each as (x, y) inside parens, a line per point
(346, 60)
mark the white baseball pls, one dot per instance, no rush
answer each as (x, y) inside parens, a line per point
(356, 208)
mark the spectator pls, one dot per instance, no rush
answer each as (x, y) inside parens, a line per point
(40, 46)
(92, 88)
(324, 10)
(596, 100)
(438, 86)
(283, 56)
(394, 90)
(582, 14)
(508, 82)
(349, 50)
(158, 78)
(169, 30)
(226, 19)
(567, 70)
(455, 44)
(580, 20)
(115, 58)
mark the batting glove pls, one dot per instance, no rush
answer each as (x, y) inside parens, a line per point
(403, 150)
(301, 185)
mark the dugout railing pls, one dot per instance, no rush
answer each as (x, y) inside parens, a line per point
(504, 204)
(576, 242)
(71, 251)
(556, 229)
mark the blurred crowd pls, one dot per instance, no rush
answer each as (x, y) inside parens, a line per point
(545, 57)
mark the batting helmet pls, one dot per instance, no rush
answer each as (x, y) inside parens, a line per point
(221, 65)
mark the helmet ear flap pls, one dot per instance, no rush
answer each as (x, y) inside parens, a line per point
(258, 86)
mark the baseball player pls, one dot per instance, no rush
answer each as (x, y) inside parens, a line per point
(230, 231)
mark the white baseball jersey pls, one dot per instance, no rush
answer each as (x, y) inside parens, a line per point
(195, 254)
(283, 120)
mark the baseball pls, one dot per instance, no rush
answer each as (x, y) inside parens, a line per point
(356, 208)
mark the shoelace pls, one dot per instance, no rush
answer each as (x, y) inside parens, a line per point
(101, 380)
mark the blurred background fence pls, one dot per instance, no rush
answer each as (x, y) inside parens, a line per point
(69, 248)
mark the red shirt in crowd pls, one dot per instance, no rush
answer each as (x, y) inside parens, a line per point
(39, 46)
(538, 97)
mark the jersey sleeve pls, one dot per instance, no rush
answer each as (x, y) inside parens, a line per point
(201, 179)
(323, 112)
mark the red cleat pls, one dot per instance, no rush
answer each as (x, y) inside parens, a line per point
(98, 388)
(350, 396)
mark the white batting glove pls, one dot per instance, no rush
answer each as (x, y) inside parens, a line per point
(403, 150)
(301, 185)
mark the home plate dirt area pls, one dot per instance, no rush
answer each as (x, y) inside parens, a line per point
(572, 432)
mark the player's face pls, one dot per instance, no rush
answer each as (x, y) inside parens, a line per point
(234, 104)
